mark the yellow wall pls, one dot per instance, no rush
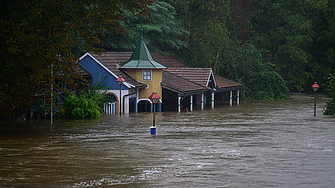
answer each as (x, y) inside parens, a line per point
(154, 84)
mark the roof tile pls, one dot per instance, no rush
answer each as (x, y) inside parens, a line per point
(182, 72)
(197, 75)
(180, 84)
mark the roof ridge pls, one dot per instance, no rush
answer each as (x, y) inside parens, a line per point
(189, 68)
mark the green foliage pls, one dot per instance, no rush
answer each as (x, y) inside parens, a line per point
(259, 78)
(298, 37)
(86, 103)
(294, 38)
(38, 36)
(209, 38)
(80, 106)
(162, 30)
(329, 108)
(222, 44)
(267, 85)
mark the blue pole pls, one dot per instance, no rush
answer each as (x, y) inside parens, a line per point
(153, 128)
(120, 101)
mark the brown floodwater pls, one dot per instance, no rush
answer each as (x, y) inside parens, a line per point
(256, 144)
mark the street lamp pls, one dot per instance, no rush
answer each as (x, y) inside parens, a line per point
(154, 97)
(315, 87)
(120, 81)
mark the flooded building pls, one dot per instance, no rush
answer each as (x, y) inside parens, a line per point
(180, 86)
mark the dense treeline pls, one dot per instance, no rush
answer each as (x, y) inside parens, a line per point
(270, 46)
(220, 38)
(256, 41)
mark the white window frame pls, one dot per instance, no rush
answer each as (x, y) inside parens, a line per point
(145, 76)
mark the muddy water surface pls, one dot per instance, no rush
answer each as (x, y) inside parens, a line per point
(256, 144)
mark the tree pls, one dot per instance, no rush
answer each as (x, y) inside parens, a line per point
(209, 36)
(37, 37)
(161, 30)
(223, 43)
(288, 34)
(329, 108)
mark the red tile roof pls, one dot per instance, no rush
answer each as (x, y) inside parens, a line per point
(113, 57)
(196, 75)
(121, 57)
(176, 70)
(179, 84)
(168, 60)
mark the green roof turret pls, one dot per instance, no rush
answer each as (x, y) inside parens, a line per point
(141, 58)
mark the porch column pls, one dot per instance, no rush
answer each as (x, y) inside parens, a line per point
(126, 104)
(159, 107)
(238, 97)
(202, 100)
(222, 100)
(135, 105)
(212, 98)
(231, 97)
(179, 101)
(191, 103)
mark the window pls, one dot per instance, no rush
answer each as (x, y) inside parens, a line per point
(146, 75)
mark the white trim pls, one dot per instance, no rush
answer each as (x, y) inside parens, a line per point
(214, 79)
(144, 99)
(103, 66)
(211, 74)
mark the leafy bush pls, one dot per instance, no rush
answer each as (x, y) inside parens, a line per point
(86, 103)
(268, 85)
(261, 80)
(329, 108)
(80, 106)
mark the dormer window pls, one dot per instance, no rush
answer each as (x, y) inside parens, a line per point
(146, 75)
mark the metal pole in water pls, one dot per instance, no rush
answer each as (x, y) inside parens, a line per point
(154, 122)
(120, 101)
(315, 104)
(315, 87)
(153, 128)
(154, 97)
